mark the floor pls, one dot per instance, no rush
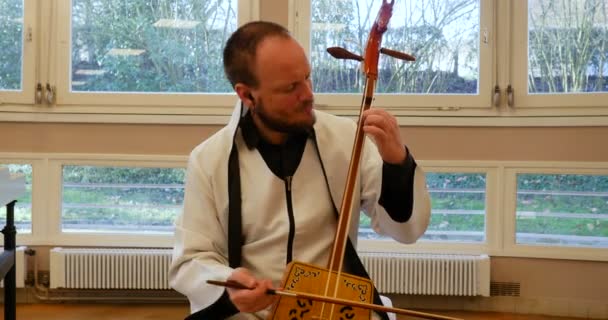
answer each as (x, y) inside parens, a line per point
(79, 311)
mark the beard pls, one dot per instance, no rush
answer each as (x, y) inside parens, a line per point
(276, 123)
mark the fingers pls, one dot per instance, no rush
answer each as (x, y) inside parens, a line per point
(244, 277)
(383, 128)
(250, 300)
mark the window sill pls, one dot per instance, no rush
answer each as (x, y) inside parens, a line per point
(442, 117)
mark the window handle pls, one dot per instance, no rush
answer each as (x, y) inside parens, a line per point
(510, 97)
(50, 94)
(496, 96)
(38, 93)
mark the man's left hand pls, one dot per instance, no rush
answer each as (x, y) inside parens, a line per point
(384, 130)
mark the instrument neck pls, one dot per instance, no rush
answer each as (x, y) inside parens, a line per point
(337, 256)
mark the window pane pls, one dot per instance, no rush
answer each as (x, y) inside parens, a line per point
(11, 44)
(23, 207)
(562, 210)
(443, 36)
(150, 46)
(121, 199)
(568, 46)
(458, 208)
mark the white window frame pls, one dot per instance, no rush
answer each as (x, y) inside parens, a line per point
(492, 217)
(28, 64)
(501, 200)
(39, 181)
(56, 163)
(131, 103)
(511, 248)
(299, 25)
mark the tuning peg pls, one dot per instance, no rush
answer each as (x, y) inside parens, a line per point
(341, 53)
(397, 54)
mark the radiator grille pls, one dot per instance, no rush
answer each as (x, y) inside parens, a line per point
(504, 289)
(429, 274)
(20, 268)
(85, 268)
(424, 274)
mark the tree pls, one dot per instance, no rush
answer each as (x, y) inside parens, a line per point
(11, 31)
(568, 46)
(150, 45)
(437, 32)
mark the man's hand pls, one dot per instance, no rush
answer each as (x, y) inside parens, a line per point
(384, 130)
(250, 300)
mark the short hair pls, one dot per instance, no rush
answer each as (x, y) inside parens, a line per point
(241, 48)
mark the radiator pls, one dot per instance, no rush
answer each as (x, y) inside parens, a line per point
(429, 274)
(88, 268)
(423, 274)
(20, 268)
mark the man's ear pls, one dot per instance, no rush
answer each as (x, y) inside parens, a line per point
(244, 93)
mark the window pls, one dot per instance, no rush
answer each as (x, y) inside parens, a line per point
(11, 36)
(568, 210)
(443, 36)
(134, 200)
(143, 46)
(458, 207)
(23, 207)
(465, 214)
(567, 46)
(146, 53)
(566, 53)
(450, 40)
(105, 56)
(538, 54)
(17, 63)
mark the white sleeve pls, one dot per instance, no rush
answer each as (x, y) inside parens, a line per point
(381, 222)
(200, 248)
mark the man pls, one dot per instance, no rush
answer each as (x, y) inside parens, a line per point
(265, 190)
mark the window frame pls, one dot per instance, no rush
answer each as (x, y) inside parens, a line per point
(39, 180)
(500, 205)
(492, 217)
(47, 184)
(511, 248)
(134, 103)
(299, 24)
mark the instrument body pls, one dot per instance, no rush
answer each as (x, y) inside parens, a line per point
(302, 277)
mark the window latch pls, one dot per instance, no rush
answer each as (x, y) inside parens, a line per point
(496, 96)
(29, 35)
(38, 93)
(510, 96)
(50, 94)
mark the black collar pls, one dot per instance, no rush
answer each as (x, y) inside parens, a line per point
(283, 159)
(253, 137)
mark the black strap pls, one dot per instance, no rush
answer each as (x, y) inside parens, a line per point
(356, 267)
(235, 237)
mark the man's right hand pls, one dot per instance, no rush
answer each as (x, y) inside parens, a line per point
(254, 299)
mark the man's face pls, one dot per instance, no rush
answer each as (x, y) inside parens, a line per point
(283, 100)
